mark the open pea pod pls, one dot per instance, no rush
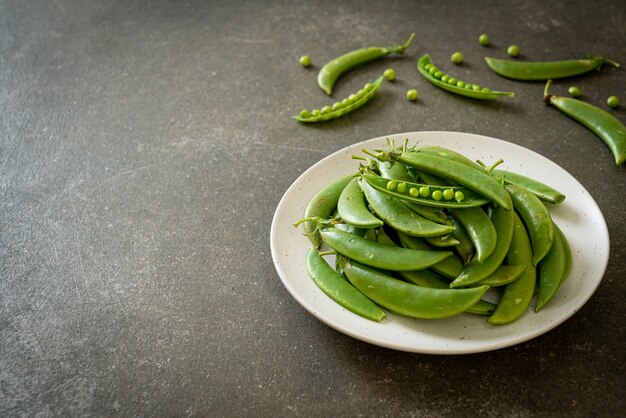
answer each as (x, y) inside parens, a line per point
(425, 194)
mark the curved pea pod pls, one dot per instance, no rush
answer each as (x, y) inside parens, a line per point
(350, 104)
(443, 241)
(450, 267)
(539, 189)
(451, 155)
(465, 247)
(352, 209)
(331, 71)
(476, 271)
(566, 250)
(339, 290)
(429, 212)
(426, 194)
(399, 217)
(408, 299)
(536, 219)
(379, 255)
(451, 84)
(545, 70)
(479, 181)
(606, 126)
(394, 170)
(322, 206)
(551, 269)
(480, 230)
(518, 294)
(504, 275)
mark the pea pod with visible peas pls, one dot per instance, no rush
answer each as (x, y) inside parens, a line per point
(606, 126)
(339, 290)
(338, 109)
(330, 72)
(408, 299)
(436, 77)
(545, 70)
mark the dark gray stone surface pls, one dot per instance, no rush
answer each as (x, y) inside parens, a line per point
(144, 146)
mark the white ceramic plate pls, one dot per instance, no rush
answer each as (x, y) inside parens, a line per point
(578, 216)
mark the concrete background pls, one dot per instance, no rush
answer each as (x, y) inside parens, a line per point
(144, 146)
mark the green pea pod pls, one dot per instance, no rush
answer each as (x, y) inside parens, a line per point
(408, 299)
(348, 105)
(331, 71)
(552, 268)
(545, 70)
(429, 212)
(476, 271)
(379, 255)
(352, 208)
(451, 155)
(450, 267)
(536, 218)
(322, 206)
(426, 194)
(480, 230)
(339, 290)
(482, 307)
(504, 275)
(351, 229)
(606, 126)
(477, 180)
(541, 190)
(431, 73)
(567, 252)
(465, 247)
(518, 294)
(399, 217)
(443, 241)
(394, 170)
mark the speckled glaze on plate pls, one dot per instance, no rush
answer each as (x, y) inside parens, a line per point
(578, 216)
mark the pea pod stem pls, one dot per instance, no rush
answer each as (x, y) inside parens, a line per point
(606, 126)
(545, 70)
(331, 71)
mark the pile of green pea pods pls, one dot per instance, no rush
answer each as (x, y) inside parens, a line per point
(426, 232)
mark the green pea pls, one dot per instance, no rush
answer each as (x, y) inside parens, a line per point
(432, 70)
(483, 39)
(485, 90)
(346, 102)
(411, 95)
(457, 58)
(390, 74)
(468, 86)
(361, 93)
(445, 78)
(427, 67)
(476, 87)
(460, 84)
(459, 196)
(574, 91)
(438, 74)
(325, 110)
(353, 97)
(402, 187)
(513, 51)
(424, 191)
(448, 194)
(336, 106)
(315, 112)
(437, 195)
(305, 61)
(392, 184)
(305, 113)
(613, 101)
(414, 192)
(452, 81)
(368, 86)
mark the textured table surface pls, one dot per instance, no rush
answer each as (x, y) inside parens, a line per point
(144, 147)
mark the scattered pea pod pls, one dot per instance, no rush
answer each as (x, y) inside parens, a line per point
(338, 109)
(330, 72)
(606, 126)
(436, 77)
(545, 70)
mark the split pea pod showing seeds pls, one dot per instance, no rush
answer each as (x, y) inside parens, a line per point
(330, 72)
(431, 73)
(606, 126)
(545, 70)
(349, 104)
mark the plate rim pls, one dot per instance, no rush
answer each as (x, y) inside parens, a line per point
(492, 345)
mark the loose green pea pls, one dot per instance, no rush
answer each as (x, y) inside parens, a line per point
(392, 184)
(411, 95)
(459, 196)
(483, 39)
(513, 51)
(613, 101)
(305, 61)
(424, 191)
(390, 74)
(448, 194)
(457, 58)
(325, 110)
(402, 187)
(574, 91)
(437, 195)
(414, 192)
(305, 113)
